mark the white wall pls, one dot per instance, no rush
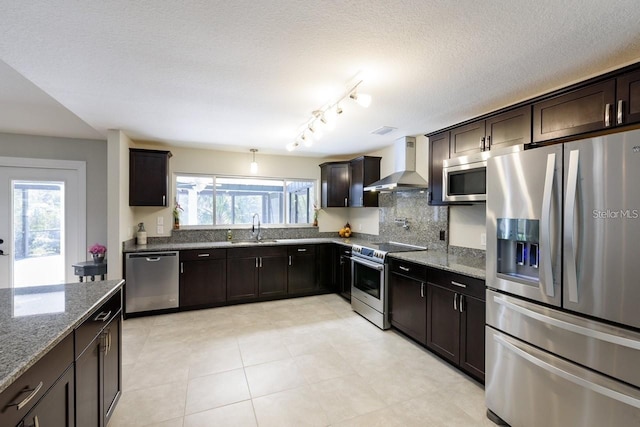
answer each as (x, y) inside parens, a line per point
(467, 225)
(93, 152)
(121, 222)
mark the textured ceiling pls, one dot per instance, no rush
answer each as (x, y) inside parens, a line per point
(240, 74)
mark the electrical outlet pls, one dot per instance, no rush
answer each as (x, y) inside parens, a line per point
(483, 239)
(160, 220)
(160, 229)
(442, 235)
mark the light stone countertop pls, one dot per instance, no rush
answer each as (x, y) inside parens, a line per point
(458, 264)
(34, 319)
(468, 266)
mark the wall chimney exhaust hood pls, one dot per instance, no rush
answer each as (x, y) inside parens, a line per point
(405, 177)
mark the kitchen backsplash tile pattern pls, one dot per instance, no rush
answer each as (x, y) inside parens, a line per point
(424, 222)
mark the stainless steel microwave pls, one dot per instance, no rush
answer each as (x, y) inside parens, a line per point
(464, 178)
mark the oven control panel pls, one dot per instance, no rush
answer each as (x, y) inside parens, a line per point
(372, 254)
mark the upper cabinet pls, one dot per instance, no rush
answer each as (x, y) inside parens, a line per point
(502, 130)
(580, 111)
(342, 183)
(335, 180)
(365, 170)
(438, 151)
(598, 106)
(148, 177)
(628, 98)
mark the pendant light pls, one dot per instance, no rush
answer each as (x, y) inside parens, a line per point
(254, 165)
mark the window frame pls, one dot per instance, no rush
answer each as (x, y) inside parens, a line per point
(285, 205)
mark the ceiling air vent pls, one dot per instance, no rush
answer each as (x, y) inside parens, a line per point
(383, 130)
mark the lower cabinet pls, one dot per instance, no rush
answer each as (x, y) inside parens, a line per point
(302, 269)
(456, 319)
(407, 299)
(256, 272)
(56, 407)
(98, 368)
(203, 277)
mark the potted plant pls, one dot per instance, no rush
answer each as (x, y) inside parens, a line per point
(97, 252)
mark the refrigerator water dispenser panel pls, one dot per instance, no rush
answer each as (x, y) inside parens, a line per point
(518, 248)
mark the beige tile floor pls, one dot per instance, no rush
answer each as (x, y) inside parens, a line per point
(298, 362)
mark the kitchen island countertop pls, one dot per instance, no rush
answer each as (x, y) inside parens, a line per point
(34, 319)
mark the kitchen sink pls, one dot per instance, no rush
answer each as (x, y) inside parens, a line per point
(252, 241)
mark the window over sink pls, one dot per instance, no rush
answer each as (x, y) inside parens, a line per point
(225, 200)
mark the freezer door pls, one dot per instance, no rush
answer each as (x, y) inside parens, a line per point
(601, 269)
(524, 203)
(526, 386)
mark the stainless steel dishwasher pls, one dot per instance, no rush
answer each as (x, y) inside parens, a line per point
(151, 281)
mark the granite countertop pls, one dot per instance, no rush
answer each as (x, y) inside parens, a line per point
(473, 267)
(469, 266)
(157, 247)
(34, 319)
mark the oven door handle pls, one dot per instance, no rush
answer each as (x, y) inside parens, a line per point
(373, 265)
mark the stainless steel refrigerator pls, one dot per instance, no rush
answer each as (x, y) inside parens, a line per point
(563, 278)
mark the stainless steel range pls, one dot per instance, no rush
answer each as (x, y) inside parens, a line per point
(369, 279)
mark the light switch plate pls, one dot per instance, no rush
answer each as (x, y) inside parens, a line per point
(160, 229)
(160, 220)
(483, 239)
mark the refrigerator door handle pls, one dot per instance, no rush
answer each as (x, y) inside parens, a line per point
(545, 225)
(569, 218)
(597, 388)
(567, 326)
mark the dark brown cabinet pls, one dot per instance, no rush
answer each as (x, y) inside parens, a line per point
(407, 299)
(302, 269)
(256, 272)
(203, 277)
(44, 391)
(365, 170)
(456, 319)
(502, 130)
(148, 177)
(56, 407)
(628, 98)
(583, 110)
(343, 273)
(438, 152)
(335, 181)
(98, 368)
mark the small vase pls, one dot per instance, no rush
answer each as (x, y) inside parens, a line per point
(315, 222)
(98, 258)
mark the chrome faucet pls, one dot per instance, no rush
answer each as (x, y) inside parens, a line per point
(253, 226)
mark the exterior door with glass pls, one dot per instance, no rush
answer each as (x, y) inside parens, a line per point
(42, 221)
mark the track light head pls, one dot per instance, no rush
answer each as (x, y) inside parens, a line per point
(362, 99)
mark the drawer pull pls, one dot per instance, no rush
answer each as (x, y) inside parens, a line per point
(404, 268)
(203, 255)
(32, 394)
(302, 250)
(461, 285)
(102, 316)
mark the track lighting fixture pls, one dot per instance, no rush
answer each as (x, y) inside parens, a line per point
(325, 117)
(253, 167)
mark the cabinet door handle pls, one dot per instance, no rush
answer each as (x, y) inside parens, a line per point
(488, 143)
(260, 262)
(455, 301)
(607, 115)
(345, 202)
(32, 394)
(461, 303)
(481, 144)
(620, 106)
(289, 259)
(102, 316)
(256, 262)
(164, 200)
(403, 268)
(460, 285)
(203, 255)
(36, 421)
(422, 290)
(182, 268)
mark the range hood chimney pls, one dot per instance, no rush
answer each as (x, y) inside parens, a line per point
(405, 177)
